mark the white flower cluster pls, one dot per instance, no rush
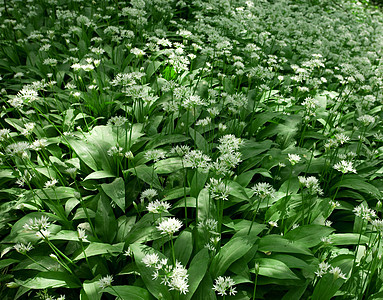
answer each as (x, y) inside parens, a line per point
(325, 268)
(158, 207)
(364, 212)
(106, 281)
(23, 248)
(148, 194)
(263, 190)
(196, 159)
(311, 183)
(218, 189)
(40, 226)
(344, 167)
(294, 158)
(174, 277)
(155, 155)
(224, 284)
(169, 226)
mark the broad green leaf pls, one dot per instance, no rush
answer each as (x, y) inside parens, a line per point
(326, 287)
(142, 230)
(105, 221)
(7, 262)
(116, 191)
(357, 183)
(169, 165)
(200, 141)
(309, 235)
(147, 174)
(183, 247)
(233, 250)
(348, 239)
(129, 292)
(50, 279)
(91, 289)
(99, 175)
(277, 243)
(274, 268)
(197, 271)
(100, 248)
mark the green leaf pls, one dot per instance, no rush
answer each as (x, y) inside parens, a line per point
(91, 289)
(348, 239)
(116, 191)
(183, 247)
(105, 221)
(200, 141)
(309, 235)
(147, 174)
(168, 165)
(197, 271)
(128, 292)
(358, 183)
(7, 262)
(100, 248)
(275, 269)
(233, 250)
(277, 243)
(99, 175)
(50, 279)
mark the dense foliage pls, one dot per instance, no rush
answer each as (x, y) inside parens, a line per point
(162, 149)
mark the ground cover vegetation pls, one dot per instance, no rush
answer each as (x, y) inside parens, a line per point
(160, 149)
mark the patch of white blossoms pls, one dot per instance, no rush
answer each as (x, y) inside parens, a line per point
(158, 207)
(169, 226)
(40, 226)
(218, 189)
(311, 183)
(344, 167)
(222, 285)
(173, 276)
(263, 190)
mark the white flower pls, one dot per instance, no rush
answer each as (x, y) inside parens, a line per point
(294, 158)
(150, 260)
(82, 234)
(344, 167)
(157, 207)
(148, 194)
(364, 212)
(229, 143)
(50, 183)
(155, 155)
(273, 224)
(326, 240)
(39, 144)
(23, 248)
(322, 269)
(218, 189)
(169, 226)
(222, 284)
(196, 159)
(337, 272)
(378, 225)
(263, 190)
(37, 224)
(4, 134)
(18, 149)
(366, 120)
(311, 183)
(209, 225)
(105, 281)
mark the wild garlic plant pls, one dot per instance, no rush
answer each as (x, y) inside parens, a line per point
(191, 150)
